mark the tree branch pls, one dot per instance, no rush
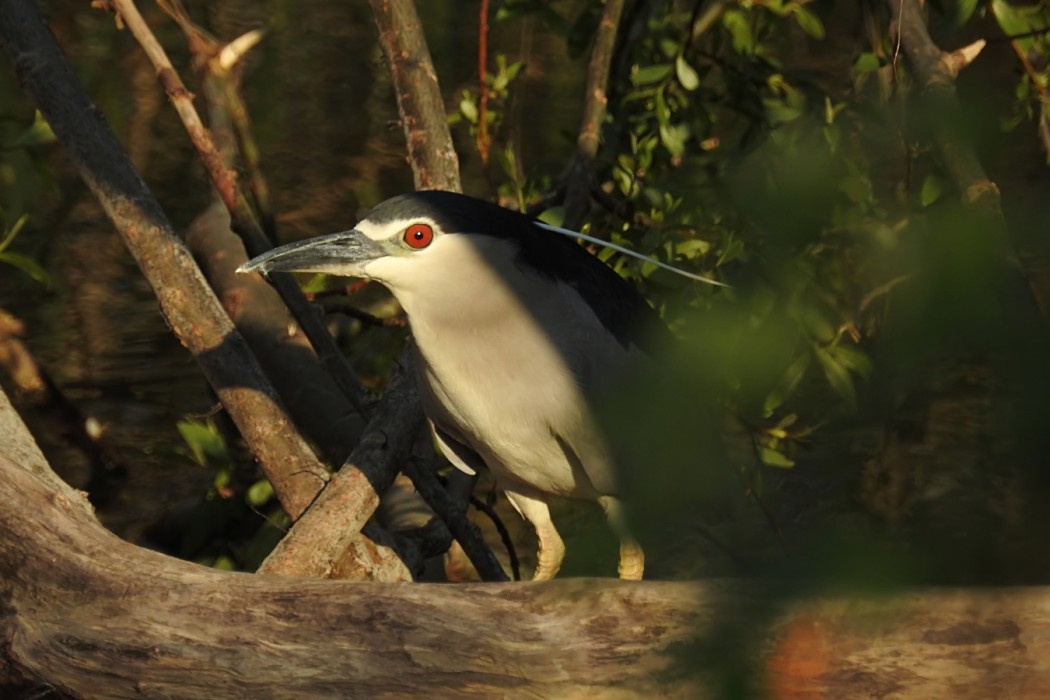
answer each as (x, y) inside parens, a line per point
(430, 150)
(324, 545)
(244, 219)
(1023, 321)
(435, 165)
(325, 539)
(581, 174)
(934, 74)
(189, 306)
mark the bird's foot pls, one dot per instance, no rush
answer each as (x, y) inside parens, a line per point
(632, 561)
(548, 556)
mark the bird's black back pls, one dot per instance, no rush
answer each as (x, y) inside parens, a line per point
(617, 304)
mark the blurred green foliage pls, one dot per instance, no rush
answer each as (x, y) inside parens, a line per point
(722, 158)
(239, 521)
(23, 178)
(781, 147)
(723, 152)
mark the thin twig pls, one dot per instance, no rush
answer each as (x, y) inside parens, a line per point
(342, 305)
(483, 140)
(244, 220)
(225, 180)
(504, 535)
(465, 532)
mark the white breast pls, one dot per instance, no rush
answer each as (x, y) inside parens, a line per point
(508, 378)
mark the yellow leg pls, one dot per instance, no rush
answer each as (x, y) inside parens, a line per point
(551, 548)
(632, 558)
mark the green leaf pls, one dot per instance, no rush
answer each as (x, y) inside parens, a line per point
(789, 104)
(203, 440)
(507, 162)
(670, 47)
(688, 77)
(224, 563)
(739, 28)
(853, 359)
(222, 479)
(867, 63)
(957, 13)
(661, 108)
(692, 248)
(809, 22)
(773, 458)
(787, 385)
(468, 107)
(555, 216)
(10, 236)
(38, 133)
(1021, 20)
(857, 187)
(837, 375)
(780, 111)
(27, 265)
(650, 75)
(832, 136)
(673, 138)
(820, 328)
(932, 189)
(777, 7)
(316, 283)
(259, 493)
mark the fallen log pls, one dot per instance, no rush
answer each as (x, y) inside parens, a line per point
(85, 614)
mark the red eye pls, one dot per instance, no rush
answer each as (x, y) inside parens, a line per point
(419, 236)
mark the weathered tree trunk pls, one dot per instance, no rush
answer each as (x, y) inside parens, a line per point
(85, 614)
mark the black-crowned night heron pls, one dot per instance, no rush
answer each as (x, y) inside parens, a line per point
(519, 334)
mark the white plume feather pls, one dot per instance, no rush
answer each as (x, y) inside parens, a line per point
(628, 251)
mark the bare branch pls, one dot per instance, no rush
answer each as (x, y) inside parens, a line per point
(453, 514)
(430, 150)
(937, 81)
(344, 552)
(434, 166)
(327, 533)
(244, 219)
(189, 305)
(960, 58)
(581, 174)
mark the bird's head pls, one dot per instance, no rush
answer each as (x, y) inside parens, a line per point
(445, 249)
(397, 239)
(422, 234)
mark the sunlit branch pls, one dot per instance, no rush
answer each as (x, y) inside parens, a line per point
(581, 175)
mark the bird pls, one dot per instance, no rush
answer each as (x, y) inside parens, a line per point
(519, 335)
